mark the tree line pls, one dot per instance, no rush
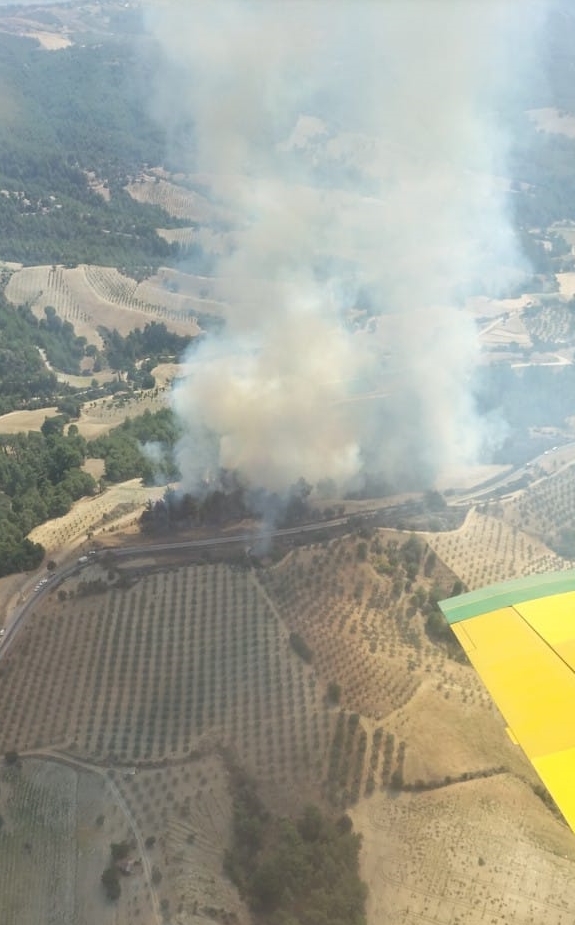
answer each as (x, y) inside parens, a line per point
(40, 478)
(294, 872)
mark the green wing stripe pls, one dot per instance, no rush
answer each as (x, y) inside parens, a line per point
(506, 594)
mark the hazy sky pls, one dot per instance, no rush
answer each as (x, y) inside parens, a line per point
(38, 3)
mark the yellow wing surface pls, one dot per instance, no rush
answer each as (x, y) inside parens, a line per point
(520, 637)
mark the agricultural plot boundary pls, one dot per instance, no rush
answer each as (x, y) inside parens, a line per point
(89, 296)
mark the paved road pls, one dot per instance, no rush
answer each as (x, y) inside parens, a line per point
(18, 617)
(479, 494)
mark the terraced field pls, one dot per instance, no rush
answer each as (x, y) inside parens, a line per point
(488, 549)
(547, 510)
(90, 296)
(316, 674)
(93, 515)
(145, 673)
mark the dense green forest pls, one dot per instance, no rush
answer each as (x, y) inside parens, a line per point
(84, 108)
(123, 448)
(25, 380)
(40, 478)
(152, 343)
(295, 873)
(41, 475)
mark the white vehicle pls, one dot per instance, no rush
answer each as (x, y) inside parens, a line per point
(2, 631)
(83, 559)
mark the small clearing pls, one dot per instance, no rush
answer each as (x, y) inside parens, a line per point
(100, 416)
(178, 201)
(16, 422)
(50, 41)
(566, 282)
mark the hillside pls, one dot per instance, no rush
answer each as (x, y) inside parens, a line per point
(281, 730)
(318, 676)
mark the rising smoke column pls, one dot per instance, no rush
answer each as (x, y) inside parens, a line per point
(354, 144)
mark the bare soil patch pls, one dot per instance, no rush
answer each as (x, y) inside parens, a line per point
(51, 41)
(566, 283)
(95, 468)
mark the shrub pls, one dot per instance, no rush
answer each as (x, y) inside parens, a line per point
(111, 884)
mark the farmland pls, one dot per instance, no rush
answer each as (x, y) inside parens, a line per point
(90, 296)
(546, 511)
(93, 515)
(135, 687)
(38, 809)
(145, 673)
(178, 201)
(151, 674)
(487, 549)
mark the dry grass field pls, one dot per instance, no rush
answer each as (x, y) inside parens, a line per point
(17, 421)
(475, 853)
(91, 516)
(98, 417)
(186, 812)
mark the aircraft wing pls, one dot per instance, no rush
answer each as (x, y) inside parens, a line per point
(520, 638)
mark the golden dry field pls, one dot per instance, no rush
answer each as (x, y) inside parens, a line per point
(100, 514)
(16, 422)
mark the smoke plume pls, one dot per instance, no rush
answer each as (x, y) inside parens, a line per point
(355, 146)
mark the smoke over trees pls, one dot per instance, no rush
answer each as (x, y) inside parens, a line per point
(355, 149)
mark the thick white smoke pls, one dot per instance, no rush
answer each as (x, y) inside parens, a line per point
(356, 146)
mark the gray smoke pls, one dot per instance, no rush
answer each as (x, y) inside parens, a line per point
(355, 144)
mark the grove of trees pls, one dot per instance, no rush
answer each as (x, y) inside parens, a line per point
(295, 873)
(40, 478)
